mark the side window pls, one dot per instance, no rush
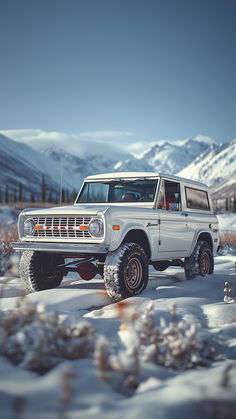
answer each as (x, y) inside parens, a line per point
(172, 196)
(169, 196)
(197, 199)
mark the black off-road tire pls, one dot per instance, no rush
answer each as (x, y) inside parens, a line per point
(201, 261)
(126, 271)
(37, 270)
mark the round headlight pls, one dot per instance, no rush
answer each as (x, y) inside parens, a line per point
(95, 228)
(28, 227)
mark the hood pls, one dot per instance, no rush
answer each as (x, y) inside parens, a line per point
(84, 209)
(66, 210)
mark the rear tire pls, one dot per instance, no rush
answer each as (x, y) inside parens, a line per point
(38, 270)
(126, 271)
(201, 262)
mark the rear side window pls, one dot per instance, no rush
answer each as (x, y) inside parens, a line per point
(197, 199)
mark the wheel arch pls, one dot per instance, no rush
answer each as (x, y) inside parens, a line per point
(201, 261)
(202, 236)
(126, 271)
(140, 237)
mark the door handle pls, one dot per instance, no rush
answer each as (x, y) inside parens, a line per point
(184, 213)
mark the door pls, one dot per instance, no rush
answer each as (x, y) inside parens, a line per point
(174, 237)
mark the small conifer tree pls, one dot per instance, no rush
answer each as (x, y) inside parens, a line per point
(20, 195)
(6, 195)
(43, 190)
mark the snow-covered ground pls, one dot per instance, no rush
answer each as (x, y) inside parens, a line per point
(169, 352)
(126, 376)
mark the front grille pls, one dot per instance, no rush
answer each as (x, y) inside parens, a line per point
(62, 227)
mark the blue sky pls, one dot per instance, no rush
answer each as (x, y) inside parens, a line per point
(147, 70)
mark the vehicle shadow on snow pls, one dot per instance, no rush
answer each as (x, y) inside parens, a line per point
(156, 280)
(85, 285)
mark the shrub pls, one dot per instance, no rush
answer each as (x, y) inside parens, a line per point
(38, 340)
(175, 346)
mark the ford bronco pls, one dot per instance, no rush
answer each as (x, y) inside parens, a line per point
(120, 224)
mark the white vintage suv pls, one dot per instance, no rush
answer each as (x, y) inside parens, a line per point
(119, 224)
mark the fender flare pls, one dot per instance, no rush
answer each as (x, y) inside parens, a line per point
(129, 230)
(196, 237)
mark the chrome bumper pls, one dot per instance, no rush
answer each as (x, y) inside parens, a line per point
(61, 247)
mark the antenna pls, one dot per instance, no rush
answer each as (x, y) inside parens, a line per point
(62, 171)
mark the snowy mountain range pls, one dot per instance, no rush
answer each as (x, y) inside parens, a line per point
(216, 166)
(166, 157)
(209, 162)
(20, 163)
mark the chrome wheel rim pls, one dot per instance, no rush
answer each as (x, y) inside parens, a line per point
(133, 273)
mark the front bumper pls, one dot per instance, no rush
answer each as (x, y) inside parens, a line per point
(73, 248)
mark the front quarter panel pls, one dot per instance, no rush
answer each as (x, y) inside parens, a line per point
(145, 220)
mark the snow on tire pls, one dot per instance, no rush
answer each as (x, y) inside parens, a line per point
(200, 262)
(126, 271)
(37, 270)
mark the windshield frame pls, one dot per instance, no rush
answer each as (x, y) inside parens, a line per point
(117, 180)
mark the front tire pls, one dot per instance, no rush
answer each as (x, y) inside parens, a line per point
(201, 262)
(38, 270)
(126, 271)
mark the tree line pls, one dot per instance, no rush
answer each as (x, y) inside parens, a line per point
(45, 194)
(225, 204)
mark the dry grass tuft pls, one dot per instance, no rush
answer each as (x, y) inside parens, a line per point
(118, 368)
(18, 407)
(228, 242)
(67, 385)
(8, 234)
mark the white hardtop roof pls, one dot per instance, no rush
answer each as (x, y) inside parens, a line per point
(137, 175)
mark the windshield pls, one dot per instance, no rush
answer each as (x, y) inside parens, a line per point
(118, 191)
